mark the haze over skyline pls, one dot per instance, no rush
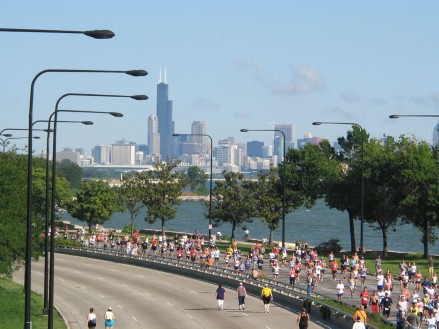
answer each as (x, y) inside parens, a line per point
(232, 64)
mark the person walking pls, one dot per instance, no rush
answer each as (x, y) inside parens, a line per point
(360, 314)
(241, 293)
(267, 297)
(219, 295)
(109, 318)
(303, 318)
(358, 325)
(91, 319)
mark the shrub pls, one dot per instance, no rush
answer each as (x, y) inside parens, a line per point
(328, 246)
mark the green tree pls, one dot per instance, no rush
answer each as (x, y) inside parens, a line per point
(160, 191)
(196, 179)
(94, 203)
(232, 201)
(419, 176)
(343, 192)
(129, 193)
(71, 171)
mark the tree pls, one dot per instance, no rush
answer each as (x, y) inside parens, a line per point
(130, 197)
(94, 203)
(71, 171)
(267, 193)
(160, 189)
(344, 191)
(232, 201)
(196, 178)
(419, 176)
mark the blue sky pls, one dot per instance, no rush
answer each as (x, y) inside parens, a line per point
(233, 64)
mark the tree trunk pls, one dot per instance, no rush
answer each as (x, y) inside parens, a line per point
(132, 225)
(425, 238)
(270, 241)
(352, 232)
(233, 231)
(384, 231)
(163, 226)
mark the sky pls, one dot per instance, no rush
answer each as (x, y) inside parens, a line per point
(232, 64)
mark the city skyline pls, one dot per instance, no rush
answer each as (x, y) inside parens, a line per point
(230, 65)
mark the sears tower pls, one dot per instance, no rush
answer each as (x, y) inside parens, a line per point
(164, 116)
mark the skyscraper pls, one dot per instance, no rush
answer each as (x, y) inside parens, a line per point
(199, 128)
(290, 135)
(164, 116)
(153, 135)
(436, 135)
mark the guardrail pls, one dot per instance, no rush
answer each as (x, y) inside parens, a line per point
(285, 295)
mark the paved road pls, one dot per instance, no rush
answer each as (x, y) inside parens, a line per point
(143, 298)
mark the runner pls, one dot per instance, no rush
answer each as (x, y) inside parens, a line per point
(109, 318)
(340, 289)
(303, 319)
(91, 319)
(267, 297)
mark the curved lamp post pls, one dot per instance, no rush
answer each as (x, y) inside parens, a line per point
(46, 226)
(53, 198)
(6, 139)
(354, 124)
(28, 267)
(283, 180)
(96, 34)
(210, 182)
(54, 115)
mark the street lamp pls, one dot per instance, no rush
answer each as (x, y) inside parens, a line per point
(96, 34)
(397, 116)
(283, 180)
(6, 139)
(46, 226)
(362, 174)
(54, 115)
(211, 174)
(28, 267)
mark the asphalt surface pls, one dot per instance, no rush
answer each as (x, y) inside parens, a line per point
(143, 298)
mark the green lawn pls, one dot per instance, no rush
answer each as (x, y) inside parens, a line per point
(12, 308)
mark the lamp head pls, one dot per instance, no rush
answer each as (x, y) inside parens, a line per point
(100, 34)
(176, 135)
(316, 123)
(139, 97)
(7, 135)
(116, 114)
(137, 73)
(394, 116)
(48, 130)
(36, 137)
(244, 130)
(87, 123)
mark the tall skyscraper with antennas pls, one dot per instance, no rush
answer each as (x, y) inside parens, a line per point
(164, 116)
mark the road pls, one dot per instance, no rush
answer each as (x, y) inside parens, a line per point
(143, 298)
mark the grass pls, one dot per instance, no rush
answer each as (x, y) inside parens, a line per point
(12, 308)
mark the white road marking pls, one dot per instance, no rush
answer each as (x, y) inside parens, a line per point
(100, 278)
(102, 296)
(124, 285)
(190, 316)
(147, 293)
(62, 280)
(166, 283)
(194, 292)
(134, 319)
(119, 306)
(244, 314)
(169, 304)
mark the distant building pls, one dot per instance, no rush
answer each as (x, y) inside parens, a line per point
(308, 139)
(255, 149)
(436, 135)
(199, 128)
(102, 154)
(164, 116)
(289, 131)
(123, 153)
(69, 154)
(153, 135)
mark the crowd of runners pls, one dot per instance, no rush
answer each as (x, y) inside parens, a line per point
(413, 296)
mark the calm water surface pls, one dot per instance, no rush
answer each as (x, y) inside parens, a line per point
(314, 226)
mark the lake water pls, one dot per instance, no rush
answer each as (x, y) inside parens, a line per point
(316, 225)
